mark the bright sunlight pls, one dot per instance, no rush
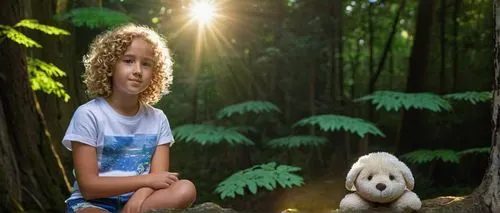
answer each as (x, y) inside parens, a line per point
(202, 11)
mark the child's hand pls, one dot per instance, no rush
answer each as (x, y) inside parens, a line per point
(162, 180)
(133, 205)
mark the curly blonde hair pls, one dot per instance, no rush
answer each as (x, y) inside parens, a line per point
(106, 50)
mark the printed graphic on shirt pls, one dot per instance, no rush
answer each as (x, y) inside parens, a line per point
(126, 155)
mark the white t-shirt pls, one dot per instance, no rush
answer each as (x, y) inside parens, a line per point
(124, 144)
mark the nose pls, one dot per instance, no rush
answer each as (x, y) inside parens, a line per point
(380, 186)
(138, 70)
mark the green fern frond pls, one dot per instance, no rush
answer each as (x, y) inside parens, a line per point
(296, 141)
(206, 134)
(243, 129)
(425, 156)
(17, 36)
(483, 150)
(248, 106)
(95, 17)
(34, 25)
(41, 78)
(331, 123)
(267, 175)
(471, 97)
(391, 100)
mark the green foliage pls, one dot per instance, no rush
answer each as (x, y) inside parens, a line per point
(41, 73)
(332, 123)
(425, 156)
(391, 100)
(207, 134)
(297, 141)
(95, 17)
(20, 38)
(471, 96)
(475, 151)
(16, 36)
(34, 25)
(245, 107)
(41, 78)
(265, 175)
(445, 155)
(243, 129)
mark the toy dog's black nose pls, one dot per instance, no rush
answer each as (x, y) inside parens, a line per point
(380, 186)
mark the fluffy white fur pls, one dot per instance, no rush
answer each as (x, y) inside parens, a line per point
(380, 180)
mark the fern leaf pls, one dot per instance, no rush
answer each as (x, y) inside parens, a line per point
(394, 101)
(34, 25)
(425, 156)
(471, 97)
(18, 37)
(209, 134)
(95, 17)
(331, 123)
(41, 78)
(297, 141)
(419, 156)
(243, 129)
(268, 175)
(246, 107)
(475, 151)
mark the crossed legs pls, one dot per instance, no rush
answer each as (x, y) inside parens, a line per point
(179, 195)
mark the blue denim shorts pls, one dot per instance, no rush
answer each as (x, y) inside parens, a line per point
(114, 204)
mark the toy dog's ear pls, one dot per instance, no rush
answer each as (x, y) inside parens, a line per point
(410, 182)
(352, 175)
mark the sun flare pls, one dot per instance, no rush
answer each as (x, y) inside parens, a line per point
(202, 11)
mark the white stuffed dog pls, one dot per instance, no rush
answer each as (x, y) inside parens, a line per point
(380, 180)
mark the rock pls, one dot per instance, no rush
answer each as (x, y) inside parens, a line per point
(204, 207)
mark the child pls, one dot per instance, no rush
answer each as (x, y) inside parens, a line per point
(120, 143)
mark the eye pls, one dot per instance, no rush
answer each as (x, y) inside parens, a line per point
(147, 64)
(391, 177)
(370, 177)
(128, 61)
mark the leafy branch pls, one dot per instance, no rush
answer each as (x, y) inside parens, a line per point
(41, 73)
(297, 141)
(394, 101)
(207, 134)
(268, 175)
(424, 156)
(331, 123)
(246, 107)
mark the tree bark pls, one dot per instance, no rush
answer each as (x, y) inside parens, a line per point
(411, 135)
(489, 189)
(34, 167)
(442, 27)
(387, 48)
(59, 50)
(455, 46)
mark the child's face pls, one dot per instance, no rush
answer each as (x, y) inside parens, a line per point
(134, 70)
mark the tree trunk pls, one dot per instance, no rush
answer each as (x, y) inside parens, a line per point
(338, 6)
(31, 168)
(442, 35)
(364, 142)
(455, 46)
(411, 130)
(59, 50)
(387, 49)
(489, 189)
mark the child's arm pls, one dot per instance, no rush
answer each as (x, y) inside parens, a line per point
(92, 186)
(159, 164)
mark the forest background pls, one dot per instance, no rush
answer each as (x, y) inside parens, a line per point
(309, 85)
